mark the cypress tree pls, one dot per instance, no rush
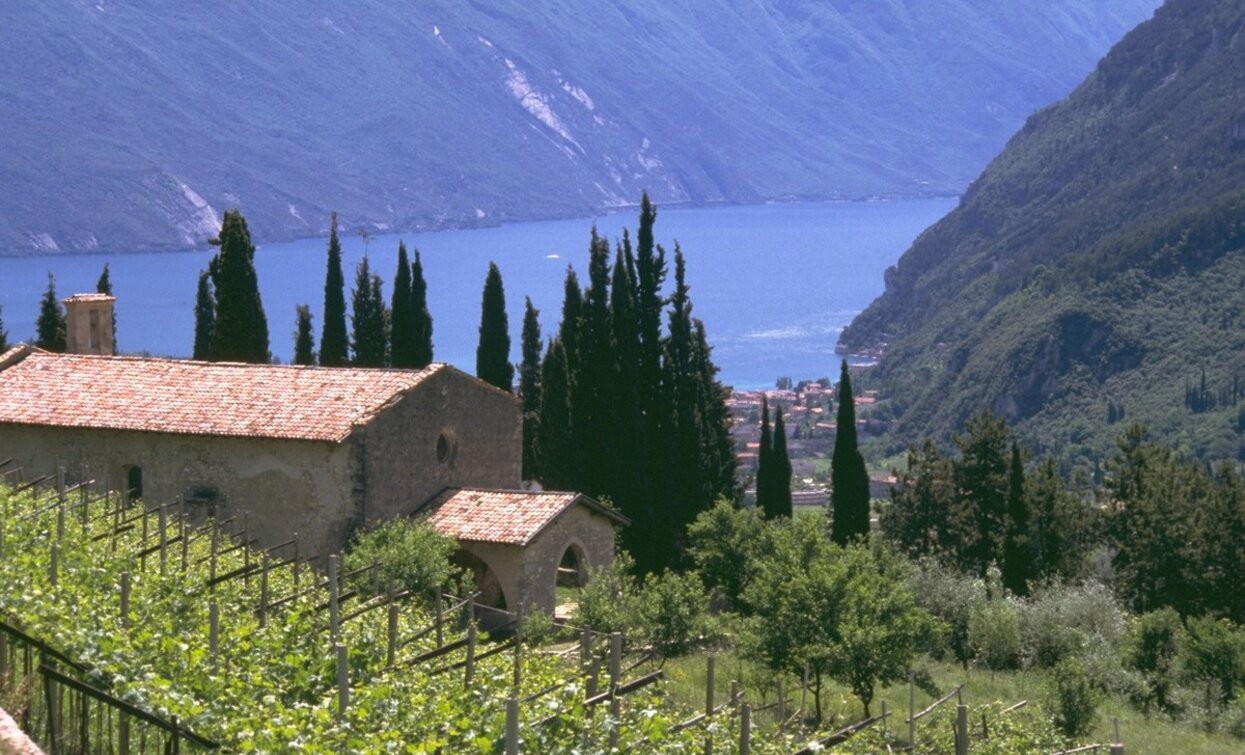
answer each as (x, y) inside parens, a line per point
(333, 343)
(557, 452)
(403, 314)
(849, 477)
(304, 343)
(493, 354)
(529, 389)
(592, 394)
(241, 332)
(627, 454)
(4, 337)
(765, 466)
(422, 329)
(719, 466)
(368, 318)
(780, 495)
(205, 317)
(104, 286)
(650, 276)
(1017, 565)
(50, 328)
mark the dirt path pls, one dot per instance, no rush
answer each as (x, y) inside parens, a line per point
(13, 741)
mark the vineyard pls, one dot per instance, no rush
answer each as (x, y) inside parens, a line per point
(126, 628)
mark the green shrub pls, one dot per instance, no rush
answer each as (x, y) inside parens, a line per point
(411, 556)
(1072, 699)
(672, 612)
(1063, 621)
(950, 596)
(1152, 649)
(605, 602)
(994, 633)
(1215, 652)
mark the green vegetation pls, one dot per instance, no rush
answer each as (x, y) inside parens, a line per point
(1095, 268)
(369, 336)
(104, 286)
(240, 332)
(773, 477)
(50, 326)
(849, 478)
(205, 316)
(333, 343)
(493, 354)
(304, 338)
(630, 415)
(529, 388)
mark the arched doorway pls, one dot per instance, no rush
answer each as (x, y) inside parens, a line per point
(572, 575)
(485, 580)
(133, 484)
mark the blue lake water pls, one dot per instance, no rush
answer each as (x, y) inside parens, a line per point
(774, 283)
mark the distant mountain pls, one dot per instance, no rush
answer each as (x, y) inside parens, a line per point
(1094, 275)
(133, 125)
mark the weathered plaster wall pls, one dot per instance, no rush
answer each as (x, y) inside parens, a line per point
(484, 427)
(283, 487)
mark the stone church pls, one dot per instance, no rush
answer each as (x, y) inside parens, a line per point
(312, 452)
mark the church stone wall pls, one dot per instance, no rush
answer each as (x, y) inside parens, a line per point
(282, 487)
(451, 431)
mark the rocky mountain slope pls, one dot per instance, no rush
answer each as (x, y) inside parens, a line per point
(133, 125)
(1095, 273)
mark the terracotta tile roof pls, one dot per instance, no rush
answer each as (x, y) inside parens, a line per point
(90, 297)
(195, 398)
(511, 517)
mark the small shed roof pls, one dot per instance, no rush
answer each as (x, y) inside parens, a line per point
(509, 517)
(192, 397)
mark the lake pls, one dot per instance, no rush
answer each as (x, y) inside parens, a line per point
(774, 284)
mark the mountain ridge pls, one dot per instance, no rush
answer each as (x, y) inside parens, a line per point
(1097, 263)
(134, 126)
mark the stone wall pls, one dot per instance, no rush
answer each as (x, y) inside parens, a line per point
(402, 463)
(282, 486)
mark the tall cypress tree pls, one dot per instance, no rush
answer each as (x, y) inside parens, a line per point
(1017, 563)
(104, 286)
(628, 468)
(304, 339)
(403, 314)
(556, 447)
(719, 466)
(205, 317)
(780, 497)
(650, 277)
(368, 318)
(765, 464)
(529, 390)
(333, 342)
(493, 353)
(849, 477)
(422, 319)
(4, 336)
(592, 396)
(241, 332)
(50, 328)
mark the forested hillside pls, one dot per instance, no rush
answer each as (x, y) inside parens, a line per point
(1095, 273)
(136, 125)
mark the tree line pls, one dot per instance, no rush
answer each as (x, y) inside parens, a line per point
(51, 328)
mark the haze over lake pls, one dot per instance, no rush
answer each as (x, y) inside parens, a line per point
(774, 283)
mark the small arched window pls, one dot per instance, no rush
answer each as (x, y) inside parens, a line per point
(446, 447)
(134, 483)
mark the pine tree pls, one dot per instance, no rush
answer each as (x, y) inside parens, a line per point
(104, 286)
(403, 314)
(333, 342)
(980, 514)
(529, 390)
(849, 478)
(205, 317)
(50, 327)
(780, 496)
(304, 343)
(765, 464)
(1017, 564)
(493, 354)
(422, 329)
(241, 332)
(368, 318)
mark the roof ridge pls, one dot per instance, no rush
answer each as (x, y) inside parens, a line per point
(203, 363)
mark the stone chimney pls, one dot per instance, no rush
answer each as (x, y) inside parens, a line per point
(88, 321)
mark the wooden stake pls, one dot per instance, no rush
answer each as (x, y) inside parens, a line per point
(911, 707)
(961, 729)
(125, 600)
(745, 730)
(440, 630)
(512, 726)
(471, 655)
(54, 566)
(616, 642)
(343, 681)
(333, 593)
(391, 653)
(263, 590)
(164, 541)
(213, 629)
